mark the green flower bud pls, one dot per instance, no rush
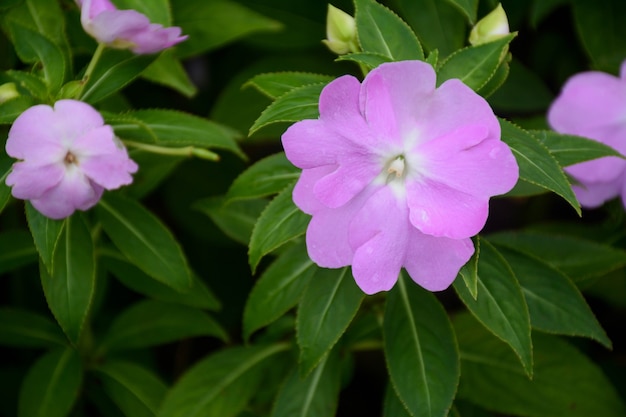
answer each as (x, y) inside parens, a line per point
(340, 31)
(8, 91)
(491, 27)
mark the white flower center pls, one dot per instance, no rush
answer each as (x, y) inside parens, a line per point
(397, 167)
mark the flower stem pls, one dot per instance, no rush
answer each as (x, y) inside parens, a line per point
(92, 64)
(183, 151)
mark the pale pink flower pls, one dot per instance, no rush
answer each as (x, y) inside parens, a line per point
(68, 156)
(398, 173)
(593, 104)
(126, 29)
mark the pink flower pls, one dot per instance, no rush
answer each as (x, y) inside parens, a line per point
(593, 104)
(398, 173)
(68, 156)
(125, 29)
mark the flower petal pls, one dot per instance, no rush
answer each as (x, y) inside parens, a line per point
(301, 138)
(354, 173)
(303, 195)
(31, 181)
(33, 136)
(438, 210)
(391, 95)
(434, 262)
(155, 38)
(469, 161)
(588, 101)
(119, 26)
(593, 195)
(75, 191)
(100, 158)
(453, 105)
(340, 112)
(73, 119)
(379, 234)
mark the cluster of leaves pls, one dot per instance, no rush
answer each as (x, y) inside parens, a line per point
(496, 346)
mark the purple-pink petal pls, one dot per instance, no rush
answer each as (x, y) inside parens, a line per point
(438, 210)
(434, 262)
(67, 158)
(398, 173)
(379, 235)
(75, 191)
(32, 181)
(126, 29)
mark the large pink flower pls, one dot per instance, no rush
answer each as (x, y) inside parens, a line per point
(593, 104)
(68, 156)
(126, 29)
(398, 173)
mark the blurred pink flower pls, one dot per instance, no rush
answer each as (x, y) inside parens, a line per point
(125, 29)
(593, 104)
(398, 173)
(68, 156)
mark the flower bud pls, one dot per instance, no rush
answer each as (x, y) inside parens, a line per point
(8, 92)
(340, 31)
(491, 27)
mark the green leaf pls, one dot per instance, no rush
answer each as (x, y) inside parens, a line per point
(221, 384)
(524, 91)
(135, 390)
(475, 65)
(211, 24)
(236, 219)
(469, 271)
(467, 7)
(554, 303)
(6, 165)
(176, 129)
(266, 177)
(326, 309)
(278, 289)
(298, 104)
(381, 31)
(70, 286)
(601, 30)
(420, 350)
(570, 149)
(11, 109)
(167, 70)
(21, 328)
(114, 70)
(536, 165)
(31, 83)
(275, 84)
(316, 395)
(500, 305)
(392, 406)
(369, 59)
(34, 47)
(158, 11)
(50, 388)
(565, 382)
(280, 222)
(576, 257)
(46, 233)
(498, 79)
(16, 250)
(198, 295)
(144, 240)
(438, 24)
(149, 323)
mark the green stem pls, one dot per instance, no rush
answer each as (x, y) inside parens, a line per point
(92, 65)
(183, 151)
